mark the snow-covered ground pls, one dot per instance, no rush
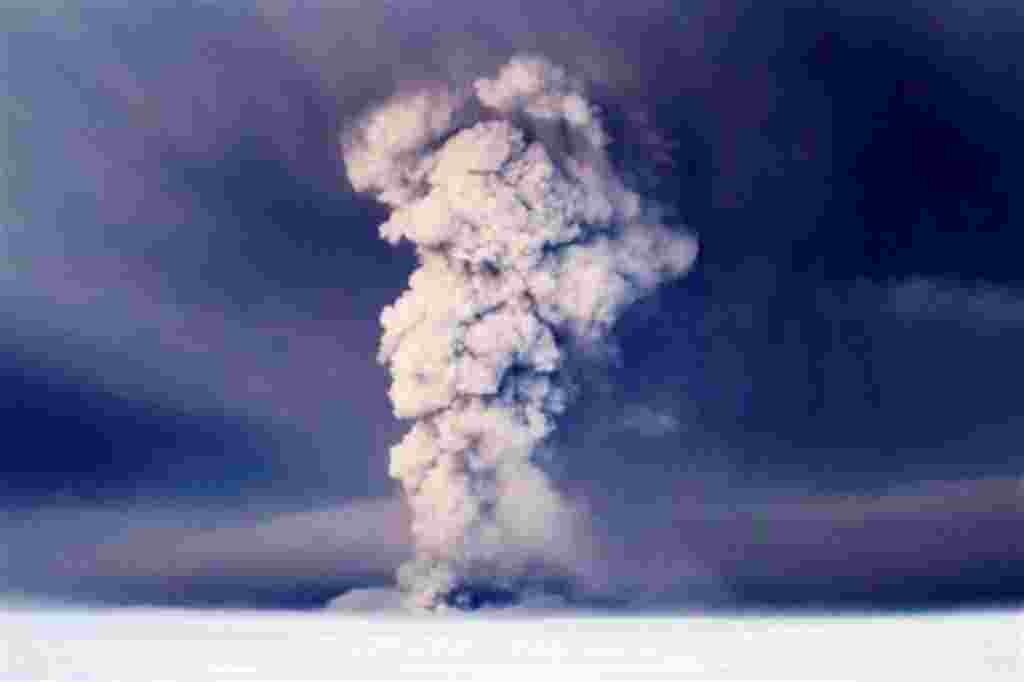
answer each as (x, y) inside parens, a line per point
(153, 645)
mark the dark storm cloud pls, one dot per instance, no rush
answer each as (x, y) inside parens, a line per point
(280, 371)
(171, 168)
(70, 439)
(856, 386)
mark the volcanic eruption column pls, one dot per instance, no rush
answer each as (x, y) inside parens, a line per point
(529, 248)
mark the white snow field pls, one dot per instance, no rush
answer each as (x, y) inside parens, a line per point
(109, 645)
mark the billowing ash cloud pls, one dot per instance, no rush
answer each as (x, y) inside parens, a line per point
(530, 248)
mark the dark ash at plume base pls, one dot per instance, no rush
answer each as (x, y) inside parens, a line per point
(553, 596)
(530, 247)
(472, 597)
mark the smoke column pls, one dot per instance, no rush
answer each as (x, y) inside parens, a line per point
(529, 249)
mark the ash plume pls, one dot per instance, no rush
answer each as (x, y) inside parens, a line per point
(530, 248)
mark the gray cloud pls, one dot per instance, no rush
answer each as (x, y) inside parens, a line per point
(169, 554)
(980, 305)
(791, 547)
(900, 543)
(648, 421)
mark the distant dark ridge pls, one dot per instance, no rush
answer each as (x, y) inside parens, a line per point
(969, 590)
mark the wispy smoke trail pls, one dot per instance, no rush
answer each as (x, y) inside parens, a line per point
(530, 248)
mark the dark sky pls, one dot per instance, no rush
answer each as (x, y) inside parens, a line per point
(827, 409)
